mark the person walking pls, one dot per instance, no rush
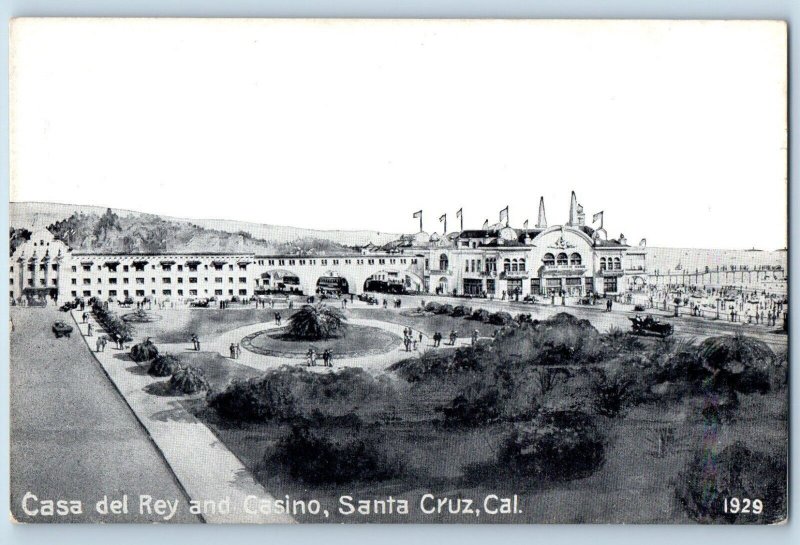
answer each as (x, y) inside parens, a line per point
(89, 330)
(312, 357)
(238, 350)
(475, 337)
(453, 337)
(99, 344)
(233, 351)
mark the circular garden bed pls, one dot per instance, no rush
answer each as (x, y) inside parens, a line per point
(359, 341)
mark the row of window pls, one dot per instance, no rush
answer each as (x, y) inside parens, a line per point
(610, 263)
(562, 259)
(164, 280)
(324, 262)
(31, 282)
(166, 292)
(141, 266)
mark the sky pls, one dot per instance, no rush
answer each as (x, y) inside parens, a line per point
(675, 130)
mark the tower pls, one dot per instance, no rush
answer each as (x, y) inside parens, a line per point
(542, 222)
(576, 216)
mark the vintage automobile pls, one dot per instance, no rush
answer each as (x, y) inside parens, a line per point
(199, 303)
(529, 299)
(367, 298)
(61, 329)
(650, 326)
(70, 305)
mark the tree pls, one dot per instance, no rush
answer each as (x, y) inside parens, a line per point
(317, 322)
(188, 380)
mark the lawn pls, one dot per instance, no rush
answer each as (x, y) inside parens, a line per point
(357, 341)
(177, 326)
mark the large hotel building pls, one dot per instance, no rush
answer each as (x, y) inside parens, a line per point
(498, 260)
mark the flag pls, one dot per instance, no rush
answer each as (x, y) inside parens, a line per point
(486, 225)
(418, 214)
(458, 214)
(443, 217)
(525, 225)
(504, 215)
(597, 217)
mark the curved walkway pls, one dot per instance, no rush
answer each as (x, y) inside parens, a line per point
(373, 363)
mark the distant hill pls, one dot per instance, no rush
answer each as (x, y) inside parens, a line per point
(137, 232)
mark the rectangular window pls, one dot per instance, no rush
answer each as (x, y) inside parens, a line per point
(74, 281)
(180, 267)
(242, 292)
(87, 268)
(230, 280)
(87, 281)
(112, 280)
(271, 261)
(125, 268)
(74, 268)
(217, 292)
(536, 285)
(230, 292)
(180, 292)
(139, 293)
(166, 292)
(242, 279)
(126, 280)
(167, 280)
(218, 280)
(193, 280)
(610, 284)
(140, 280)
(180, 280)
(74, 293)
(87, 293)
(192, 292)
(112, 293)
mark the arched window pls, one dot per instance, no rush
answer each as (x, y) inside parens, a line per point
(443, 262)
(562, 259)
(506, 265)
(549, 260)
(617, 263)
(522, 265)
(514, 265)
(602, 263)
(575, 259)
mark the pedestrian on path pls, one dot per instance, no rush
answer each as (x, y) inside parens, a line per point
(233, 351)
(89, 330)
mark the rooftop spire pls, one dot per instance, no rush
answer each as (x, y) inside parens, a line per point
(542, 222)
(573, 210)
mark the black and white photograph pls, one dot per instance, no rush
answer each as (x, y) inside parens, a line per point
(276, 271)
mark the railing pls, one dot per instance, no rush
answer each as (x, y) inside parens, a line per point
(441, 271)
(580, 267)
(514, 274)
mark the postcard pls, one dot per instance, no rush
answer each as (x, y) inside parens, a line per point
(398, 271)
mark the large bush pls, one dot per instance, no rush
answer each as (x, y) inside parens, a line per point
(316, 322)
(114, 326)
(480, 315)
(444, 309)
(439, 364)
(433, 307)
(500, 318)
(461, 310)
(144, 351)
(312, 456)
(292, 393)
(188, 380)
(737, 362)
(163, 365)
(736, 472)
(556, 446)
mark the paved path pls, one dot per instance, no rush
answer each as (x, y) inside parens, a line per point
(373, 363)
(203, 465)
(72, 434)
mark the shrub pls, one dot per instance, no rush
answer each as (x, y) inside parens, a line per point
(615, 390)
(738, 362)
(312, 457)
(292, 393)
(557, 446)
(437, 364)
(480, 315)
(461, 310)
(500, 318)
(316, 322)
(144, 351)
(433, 306)
(737, 472)
(163, 365)
(188, 380)
(444, 309)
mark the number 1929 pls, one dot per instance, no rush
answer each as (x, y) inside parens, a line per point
(743, 505)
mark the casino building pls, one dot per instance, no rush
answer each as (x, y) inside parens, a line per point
(571, 259)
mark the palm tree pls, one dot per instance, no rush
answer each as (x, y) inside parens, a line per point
(316, 322)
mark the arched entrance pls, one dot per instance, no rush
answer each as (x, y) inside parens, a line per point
(443, 286)
(389, 281)
(278, 281)
(332, 283)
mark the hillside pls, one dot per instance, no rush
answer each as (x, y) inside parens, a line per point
(30, 215)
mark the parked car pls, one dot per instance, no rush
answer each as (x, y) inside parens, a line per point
(61, 329)
(650, 325)
(199, 303)
(529, 299)
(367, 298)
(69, 305)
